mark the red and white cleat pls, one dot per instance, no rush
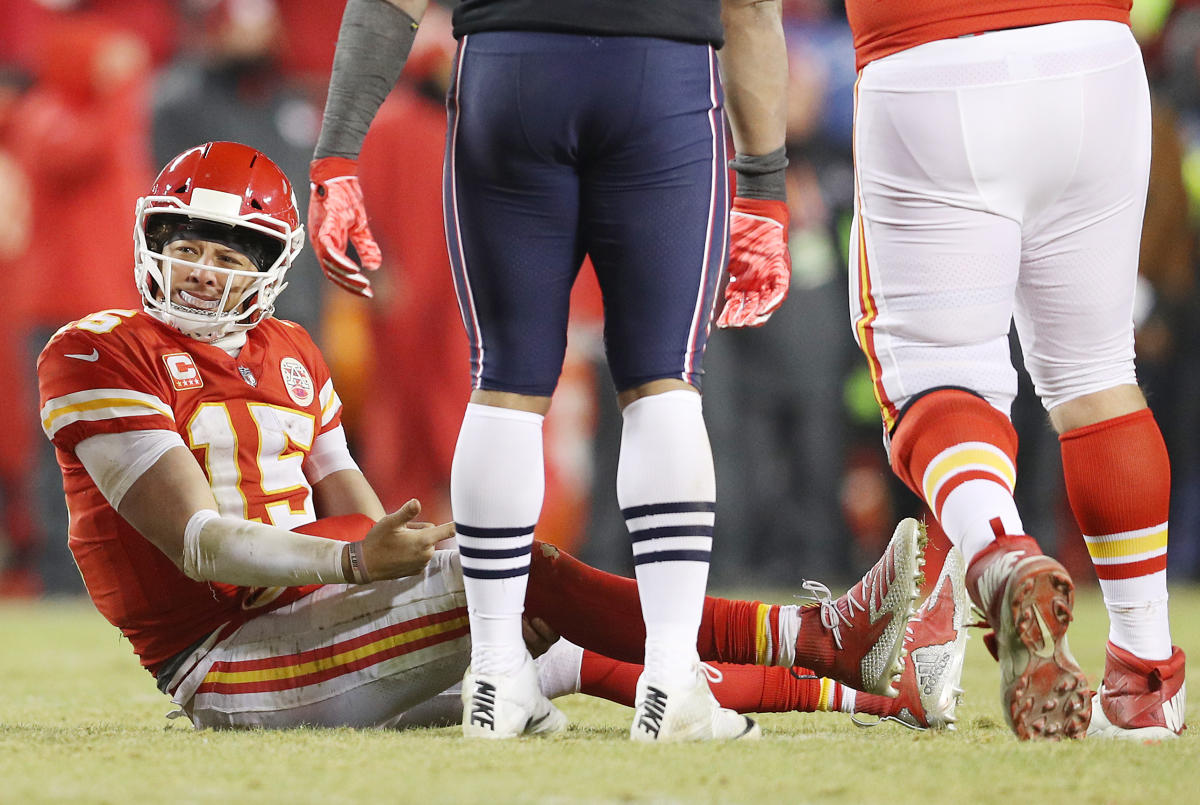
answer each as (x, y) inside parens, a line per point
(1027, 597)
(1141, 700)
(858, 639)
(936, 644)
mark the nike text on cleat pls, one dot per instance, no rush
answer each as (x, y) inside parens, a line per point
(1027, 598)
(936, 644)
(687, 712)
(1140, 700)
(858, 639)
(508, 706)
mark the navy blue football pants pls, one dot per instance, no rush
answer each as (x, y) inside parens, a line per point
(562, 145)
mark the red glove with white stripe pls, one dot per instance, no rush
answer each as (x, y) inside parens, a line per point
(336, 214)
(760, 266)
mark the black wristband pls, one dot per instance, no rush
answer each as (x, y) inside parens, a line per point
(372, 47)
(762, 176)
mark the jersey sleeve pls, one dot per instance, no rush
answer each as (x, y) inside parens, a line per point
(88, 386)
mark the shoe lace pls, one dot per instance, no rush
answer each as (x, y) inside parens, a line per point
(714, 675)
(831, 617)
(858, 721)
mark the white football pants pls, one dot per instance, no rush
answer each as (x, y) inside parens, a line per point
(1000, 176)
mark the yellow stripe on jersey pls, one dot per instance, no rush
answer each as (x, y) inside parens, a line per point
(331, 403)
(1121, 546)
(967, 456)
(333, 661)
(762, 636)
(95, 405)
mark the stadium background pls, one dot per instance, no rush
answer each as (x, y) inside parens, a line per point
(95, 95)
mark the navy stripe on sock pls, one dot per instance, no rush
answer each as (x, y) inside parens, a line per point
(670, 556)
(680, 507)
(472, 531)
(510, 573)
(492, 553)
(643, 534)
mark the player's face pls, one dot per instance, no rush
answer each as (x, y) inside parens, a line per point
(195, 283)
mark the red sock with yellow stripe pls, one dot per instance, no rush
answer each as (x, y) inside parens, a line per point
(958, 453)
(1118, 478)
(744, 688)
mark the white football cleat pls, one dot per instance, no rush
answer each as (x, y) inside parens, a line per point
(508, 705)
(935, 643)
(687, 713)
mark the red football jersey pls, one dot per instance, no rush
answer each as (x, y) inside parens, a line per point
(250, 421)
(884, 27)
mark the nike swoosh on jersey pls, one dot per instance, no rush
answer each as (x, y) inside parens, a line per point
(94, 355)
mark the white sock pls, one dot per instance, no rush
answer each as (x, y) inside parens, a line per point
(497, 483)
(1140, 627)
(558, 669)
(667, 492)
(968, 511)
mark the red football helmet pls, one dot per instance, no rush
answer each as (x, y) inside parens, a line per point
(231, 194)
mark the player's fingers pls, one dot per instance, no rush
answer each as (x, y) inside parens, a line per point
(409, 510)
(732, 309)
(332, 235)
(543, 630)
(355, 284)
(367, 248)
(436, 533)
(739, 309)
(771, 300)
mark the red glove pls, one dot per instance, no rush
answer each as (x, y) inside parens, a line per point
(336, 214)
(760, 266)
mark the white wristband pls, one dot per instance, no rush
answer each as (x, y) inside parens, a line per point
(234, 551)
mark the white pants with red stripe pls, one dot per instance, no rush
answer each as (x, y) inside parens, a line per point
(344, 656)
(998, 176)
(386, 654)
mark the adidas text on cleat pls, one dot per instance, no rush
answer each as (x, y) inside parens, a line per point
(686, 713)
(1139, 700)
(1027, 597)
(508, 705)
(936, 644)
(858, 639)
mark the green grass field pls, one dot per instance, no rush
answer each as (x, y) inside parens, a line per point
(80, 722)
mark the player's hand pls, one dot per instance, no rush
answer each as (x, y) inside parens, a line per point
(538, 635)
(397, 546)
(760, 266)
(336, 216)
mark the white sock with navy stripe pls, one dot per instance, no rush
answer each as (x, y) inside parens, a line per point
(667, 492)
(497, 483)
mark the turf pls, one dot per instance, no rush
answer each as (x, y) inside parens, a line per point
(81, 722)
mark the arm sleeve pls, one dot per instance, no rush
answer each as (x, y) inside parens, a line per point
(329, 454)
(116, 460)
(372, 47)
(235, 551)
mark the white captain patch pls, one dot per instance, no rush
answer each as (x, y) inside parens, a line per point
(297, 381)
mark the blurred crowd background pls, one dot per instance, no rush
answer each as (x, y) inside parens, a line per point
(96, 95)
